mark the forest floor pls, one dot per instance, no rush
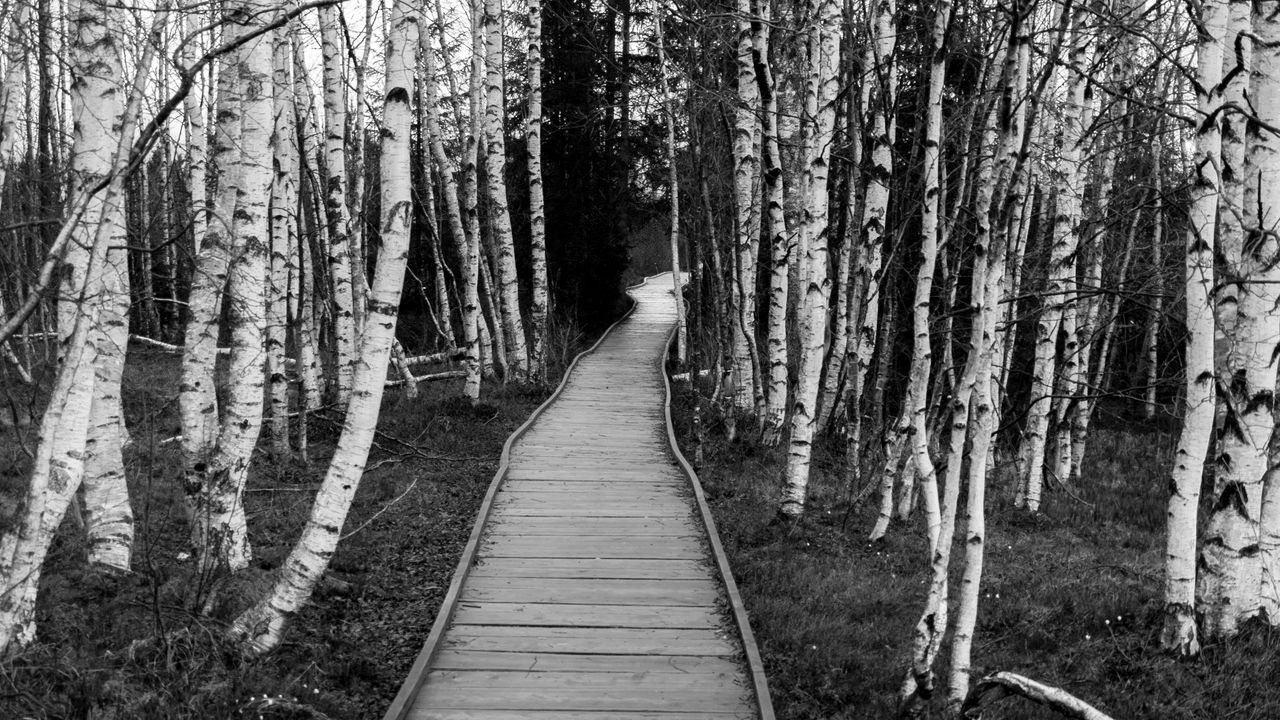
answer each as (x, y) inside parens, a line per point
(131, 648)
(1070, 596)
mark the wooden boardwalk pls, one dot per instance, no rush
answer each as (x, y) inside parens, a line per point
(594, 585)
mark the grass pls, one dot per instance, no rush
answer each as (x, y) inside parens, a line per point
(1070, 596)
(129, 648)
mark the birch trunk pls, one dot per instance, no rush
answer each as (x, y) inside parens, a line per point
(911, 427)
(58, 465)
(1008, 178)
(305, 339)
(780, 258)
(215, 481)
(197, 141)
(261, 627)
(1151, 337)
(870, 271)
(539, 301)
(821, 95)
(284, 203)
(1058, 316)
(15, 55)
(1231, 577)
(97, 109)
(508, 283)
(339, 258)
(1265, 155)
(673, 178)
(1179, 631)
(746, 207)
(467, 242)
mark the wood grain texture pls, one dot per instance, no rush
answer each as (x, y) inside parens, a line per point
(590, 589)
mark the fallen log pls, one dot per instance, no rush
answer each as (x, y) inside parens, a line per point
(997, 686)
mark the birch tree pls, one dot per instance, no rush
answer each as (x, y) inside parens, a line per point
(284, 202)
(341, 266)
(217, 469)
(1263, 193)
(97, 109)
(467, 241)
(673, 179)
(539, 302)
(59, 460)
(508, 283)
(933, 621)
(1231, 567)
(747, 213)
(261, 627)
(821, 95)
(874, 216)
(781, 258)
(1179, 632)
(1058, 315)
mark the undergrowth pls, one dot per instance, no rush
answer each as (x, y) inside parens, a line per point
(1070, 596)
(131, 648)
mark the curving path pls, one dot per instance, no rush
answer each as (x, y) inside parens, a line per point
(594, 586)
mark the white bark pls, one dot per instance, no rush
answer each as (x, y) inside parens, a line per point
(673, 180)
(15, 56)
(1179, 632)
(932, 625)
(197, 140)
(214, 487)
(1231, 579)
(284, 203)
(988, 342)
(261, 627)
(59, 459)
(1265, 155)
(780, 255)
(98, 112)
(508, 283)
(467, 241)
(747, 210)
(1006, 683)
(339, 259)
(539, 301)
(870, 271)
(197, 391)
(1151, 337)
(821, 93)
(1059, 314)
(911, 427)
(305, 336)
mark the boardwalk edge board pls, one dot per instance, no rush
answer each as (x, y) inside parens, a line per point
(421, 665)
(758, 679)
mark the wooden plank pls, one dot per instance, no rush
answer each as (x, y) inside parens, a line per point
(593, 546)
(546, 470)
(595, 641)
(582, 691)
(617, 506)
(593, 591)
(609, 494)
(591, 487)
(530, 525)
(590, 567)
(490, 714)
(581, 662)
(632, 616)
